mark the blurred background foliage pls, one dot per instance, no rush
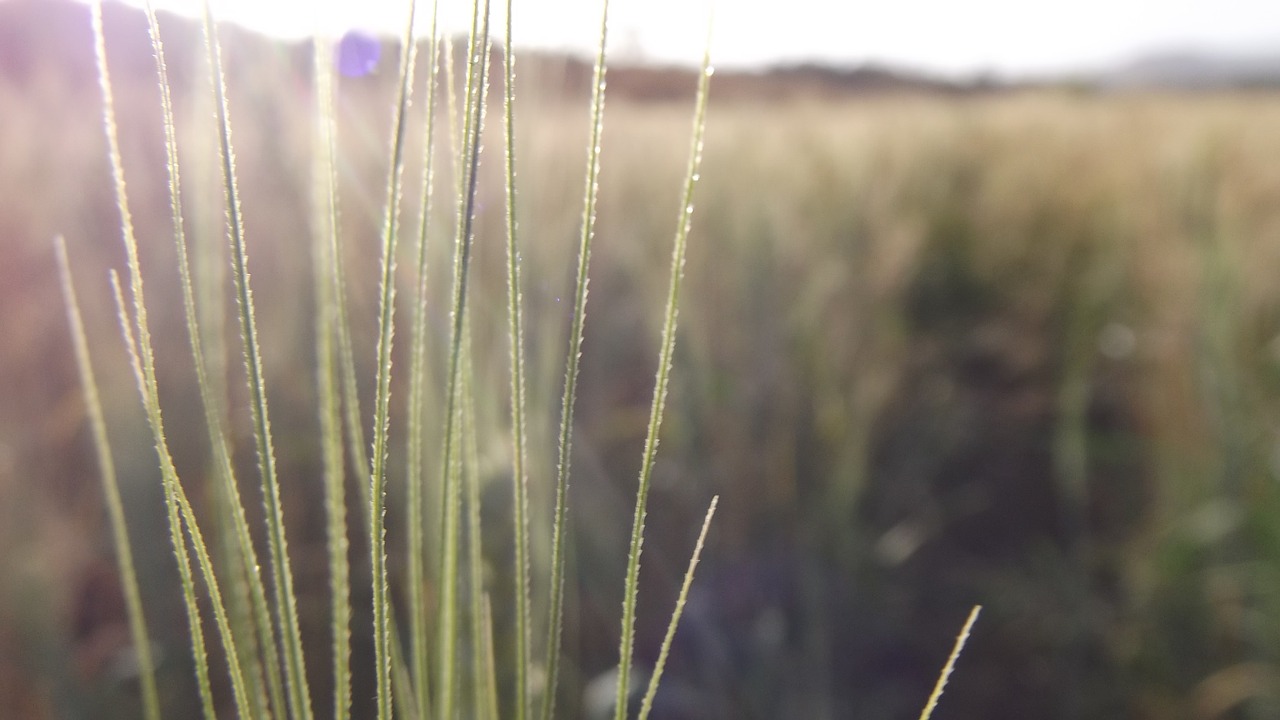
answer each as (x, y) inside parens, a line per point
(1012, 348)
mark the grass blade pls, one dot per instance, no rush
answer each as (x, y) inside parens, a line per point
(284, 596)
(646, 705)
(556, 604)
(143, 360)
(661, 382)
(199, 653)
(417, 392)
(447, 629)
(485, 650)
(357, 448)
(447, 622)
(239, 688)
(515, 329)
(382, 399)
(961, 639)
(482, 675)
(182, 516)
(247, 573)
(111, 493)
(325, 187)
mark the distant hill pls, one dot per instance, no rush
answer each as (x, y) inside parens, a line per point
(44, 39)
(1196, 70)
(52, 41)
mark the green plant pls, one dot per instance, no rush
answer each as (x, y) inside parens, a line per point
(264, 657)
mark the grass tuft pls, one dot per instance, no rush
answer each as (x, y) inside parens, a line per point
(246, 577)
(261, 632)
(137, 335)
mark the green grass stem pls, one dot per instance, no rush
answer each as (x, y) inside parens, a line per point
(515, 328)
(143, 360)
(480, 664)
(661, 382)
(356, 445)
(485, 650)
(181, 515)
(328, 314)
(418, 376)
(947, 669)
(555, 610)
(247, 577)
(646, 705)
(382, 398)
(284, 596)
(111, 493)
(447, 628)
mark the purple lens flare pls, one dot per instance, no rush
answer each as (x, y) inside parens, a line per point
(358, 53)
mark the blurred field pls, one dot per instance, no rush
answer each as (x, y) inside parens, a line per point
(1020, 350)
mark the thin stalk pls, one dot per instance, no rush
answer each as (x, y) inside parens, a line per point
(327, 316)
(556, 606)
(247, 578)
(239, 688)
(240, 604)
(476, 90)
(475, 549)
(402, 680)
(181, 515)
(451, 104)
(490, 706)
(141, 353)
(417, 393)
(382, 399)
(515, 328)
(111, 493)
(284, 596)
(250, 621)
(661, 382)
(941, 685)
(447, 620)
(357, 449)
(646, 705)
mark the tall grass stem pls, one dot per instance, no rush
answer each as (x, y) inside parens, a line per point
(662, 380)
(181, 516)
(447, 628)
(646, 704)
(111, 492)
(555, 612)
(382, 398)
(284, 596)
(947, 669)
(246, 577)
(515, 328)
(418, 375)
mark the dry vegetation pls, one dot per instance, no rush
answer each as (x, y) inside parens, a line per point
(1018, 350)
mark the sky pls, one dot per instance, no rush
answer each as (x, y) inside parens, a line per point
(1004, 37)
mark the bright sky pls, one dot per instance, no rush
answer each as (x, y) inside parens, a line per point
(949, 36)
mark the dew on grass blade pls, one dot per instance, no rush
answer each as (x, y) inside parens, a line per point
(358, 53)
